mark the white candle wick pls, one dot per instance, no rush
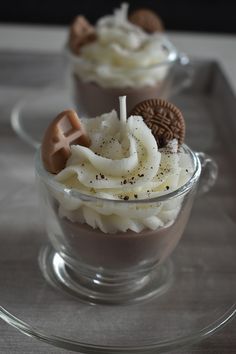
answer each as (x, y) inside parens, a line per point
(123, 114)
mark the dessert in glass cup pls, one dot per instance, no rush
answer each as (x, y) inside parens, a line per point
(116, 195)
(121, 55)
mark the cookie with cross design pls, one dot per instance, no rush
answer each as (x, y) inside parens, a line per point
(81, 33)
(163, 118)
(65, 130)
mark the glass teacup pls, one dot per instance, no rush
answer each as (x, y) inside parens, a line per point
(122, 266)
(171, 76)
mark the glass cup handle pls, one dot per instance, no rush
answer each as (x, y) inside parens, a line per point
(182, 74)
(209, 172)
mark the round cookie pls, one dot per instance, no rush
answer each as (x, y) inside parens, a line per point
(65, 130)
(163, 118)
(147, 19)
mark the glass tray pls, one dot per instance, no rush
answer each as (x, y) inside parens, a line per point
(202, 297)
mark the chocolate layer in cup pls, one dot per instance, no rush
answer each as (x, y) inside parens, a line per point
(94, 100)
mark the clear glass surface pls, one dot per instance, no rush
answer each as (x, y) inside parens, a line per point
(173, 74)
(111, 268)
(32, 114)
(199, 302)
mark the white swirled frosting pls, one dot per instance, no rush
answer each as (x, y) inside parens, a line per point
(122, 164)
(123, 55)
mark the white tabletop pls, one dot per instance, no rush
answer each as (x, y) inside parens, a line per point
(51, 39)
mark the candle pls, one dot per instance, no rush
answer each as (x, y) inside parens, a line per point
(123, 114)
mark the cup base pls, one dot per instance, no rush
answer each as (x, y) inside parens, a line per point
(99, 289)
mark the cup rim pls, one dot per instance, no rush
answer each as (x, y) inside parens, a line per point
(49, 179)
(173, 55)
